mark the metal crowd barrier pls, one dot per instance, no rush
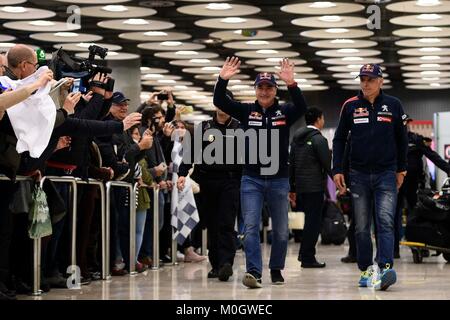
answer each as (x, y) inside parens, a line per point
(105, 231)
(37, 242)
(174, 250)
(132, 190)
(204, 242)
(155, 258)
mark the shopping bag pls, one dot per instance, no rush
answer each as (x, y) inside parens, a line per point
(39, 216)
(296, 220)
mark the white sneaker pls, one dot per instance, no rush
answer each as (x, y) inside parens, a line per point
(180, 256)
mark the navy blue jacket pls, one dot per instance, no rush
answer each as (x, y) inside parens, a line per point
(252, 116)
(379, 140)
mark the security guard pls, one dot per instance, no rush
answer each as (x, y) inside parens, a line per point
(219, 195)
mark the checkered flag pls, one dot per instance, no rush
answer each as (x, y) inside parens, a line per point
(183, 207)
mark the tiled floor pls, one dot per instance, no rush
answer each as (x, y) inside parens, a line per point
(187, 281)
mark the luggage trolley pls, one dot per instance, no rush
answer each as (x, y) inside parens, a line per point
(420, 250)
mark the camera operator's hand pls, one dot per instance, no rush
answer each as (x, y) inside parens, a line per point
(131, 120)
(108, 94)
(146, 141)
(168, 129)
(88, 96)
(99, 77)
(43, 80)
(71, 101)
(66, 86)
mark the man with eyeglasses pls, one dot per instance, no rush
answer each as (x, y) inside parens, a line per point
(22, 62)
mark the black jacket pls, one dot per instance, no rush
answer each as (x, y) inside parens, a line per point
(416, 150)
(278, 117)
(379, 139)
(76, 128)
(155, 155)
(119, 152)
(78, 153)
(215, 170)
(309, 160)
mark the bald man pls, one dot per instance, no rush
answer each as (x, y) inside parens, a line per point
(22, 62)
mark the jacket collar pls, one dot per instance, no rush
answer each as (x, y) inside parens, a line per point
(377, 99)
(226, 124)
(10, 74)
(275, 104)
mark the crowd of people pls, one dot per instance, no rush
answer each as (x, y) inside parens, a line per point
(93, 135)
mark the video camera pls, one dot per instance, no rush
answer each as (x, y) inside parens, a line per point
(64, 65)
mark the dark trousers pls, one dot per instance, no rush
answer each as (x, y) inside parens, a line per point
(408, 193)
(122, 203)
(313, 205)
(6, 228)
(351, 238)
(86, 212)
(220, 201)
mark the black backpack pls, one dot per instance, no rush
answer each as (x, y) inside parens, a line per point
(334, 228)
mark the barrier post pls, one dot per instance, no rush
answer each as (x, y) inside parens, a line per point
(204, 241)
(133, 199)
(105, 249)
(155, 258)
(132, 205)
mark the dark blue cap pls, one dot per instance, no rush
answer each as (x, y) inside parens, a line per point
(119, 97)
(266, 77)
(371, 70)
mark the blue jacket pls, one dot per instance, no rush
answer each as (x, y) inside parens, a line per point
(252, 116)
(379, 140)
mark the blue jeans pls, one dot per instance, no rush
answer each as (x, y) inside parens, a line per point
(141, 216)
(378, 191)
(254, 191)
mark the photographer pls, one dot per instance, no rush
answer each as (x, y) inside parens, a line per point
(163, 99)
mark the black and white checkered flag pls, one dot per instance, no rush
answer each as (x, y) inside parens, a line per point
(183, 207)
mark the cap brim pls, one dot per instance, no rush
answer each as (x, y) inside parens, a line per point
(370, 75)
(121, 101)
(266, 82)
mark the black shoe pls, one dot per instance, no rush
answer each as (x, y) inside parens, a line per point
(213, 274)
(225, 272)
(348, 259)
(95, 276)
(276, 277)
(45, 286)
(6, 294)
(57, 281)
(21, 287)
(84, 281)
(314, 264)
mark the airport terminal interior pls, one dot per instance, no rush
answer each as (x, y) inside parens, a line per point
(102, 172)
